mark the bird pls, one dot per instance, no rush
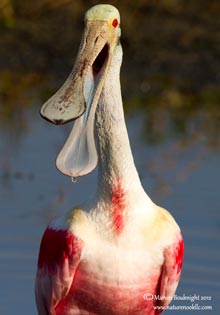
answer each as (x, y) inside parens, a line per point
(117, 253)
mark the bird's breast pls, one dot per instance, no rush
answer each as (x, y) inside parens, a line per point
(114, 282)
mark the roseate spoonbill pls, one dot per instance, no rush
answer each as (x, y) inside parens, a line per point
(119, 253)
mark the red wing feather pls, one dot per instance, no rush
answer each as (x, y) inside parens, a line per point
(59, 257)
(170, 274)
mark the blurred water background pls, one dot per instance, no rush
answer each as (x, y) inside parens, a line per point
(171, 90)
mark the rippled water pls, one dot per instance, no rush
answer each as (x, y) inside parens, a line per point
(32, 191)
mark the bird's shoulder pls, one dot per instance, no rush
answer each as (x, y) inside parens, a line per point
(162, 230)
(79, 221)
(70, 220)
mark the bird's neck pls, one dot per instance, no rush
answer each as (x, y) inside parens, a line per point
(118, 180)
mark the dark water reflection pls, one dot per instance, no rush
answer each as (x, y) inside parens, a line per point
(178, 173)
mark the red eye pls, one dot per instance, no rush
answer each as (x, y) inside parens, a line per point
(115, 23)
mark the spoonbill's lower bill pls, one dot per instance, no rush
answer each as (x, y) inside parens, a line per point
(119, 253)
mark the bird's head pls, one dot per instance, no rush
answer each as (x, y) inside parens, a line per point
(78, 97)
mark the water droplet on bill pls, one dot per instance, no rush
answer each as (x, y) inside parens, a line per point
(74, 179)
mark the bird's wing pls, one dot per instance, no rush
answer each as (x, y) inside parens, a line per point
(171, 270)
(59, 257)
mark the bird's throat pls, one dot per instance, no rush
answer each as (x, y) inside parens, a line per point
(118, 180)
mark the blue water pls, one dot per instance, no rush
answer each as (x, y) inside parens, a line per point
(184, 180)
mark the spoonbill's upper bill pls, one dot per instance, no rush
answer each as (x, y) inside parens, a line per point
(119, 253)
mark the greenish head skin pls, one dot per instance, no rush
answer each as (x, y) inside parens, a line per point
(104, 12)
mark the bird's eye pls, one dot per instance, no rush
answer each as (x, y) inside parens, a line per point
(115, 23)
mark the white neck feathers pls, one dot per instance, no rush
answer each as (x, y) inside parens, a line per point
(116, 164)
